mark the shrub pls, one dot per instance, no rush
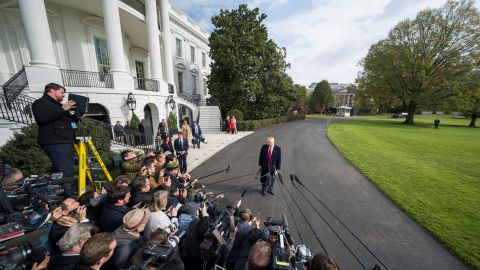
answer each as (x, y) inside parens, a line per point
(237, 113)
(23, 152)
(261, 123)
(172, 122)
(134, 122)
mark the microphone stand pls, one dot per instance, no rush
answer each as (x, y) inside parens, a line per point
(208, 175)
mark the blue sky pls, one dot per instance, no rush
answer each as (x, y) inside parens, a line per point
(325, 39)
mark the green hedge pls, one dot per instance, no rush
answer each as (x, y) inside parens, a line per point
(261, 123)
(23, 152)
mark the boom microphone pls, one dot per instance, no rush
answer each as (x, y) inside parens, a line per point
(228, 168)
(243, 193)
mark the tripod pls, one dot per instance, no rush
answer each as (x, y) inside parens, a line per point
(83, 170)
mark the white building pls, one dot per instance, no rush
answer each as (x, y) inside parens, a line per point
(105, 49)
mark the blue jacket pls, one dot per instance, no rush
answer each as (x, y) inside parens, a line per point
(196, 134)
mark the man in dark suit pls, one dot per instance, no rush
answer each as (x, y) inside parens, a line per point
(166, 132)
(269, 161)
(181, 149)
(56, 126)
(196, 134)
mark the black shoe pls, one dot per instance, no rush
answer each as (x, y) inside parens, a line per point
(263, 193)
(271, 193)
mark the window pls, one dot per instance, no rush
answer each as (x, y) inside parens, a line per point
(194, 84)
(101, 52)
(180, 82)
(192, 54)
(204, 86)
(140, 69)
(179, 47)
(204, 59)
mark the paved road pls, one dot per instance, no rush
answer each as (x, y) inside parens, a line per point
(389, 233)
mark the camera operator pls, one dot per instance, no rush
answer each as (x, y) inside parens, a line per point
(115, 209)
(190, 245)
(128, 236)
(131, 164)
(8, 178)
(259, 257)
(96, 252)
(71, 214)
(140, 191)
(159, 219)
(247, 232)
(156, 238)
(323, 262)
(56, 128)
(188, 213)
(70, 245)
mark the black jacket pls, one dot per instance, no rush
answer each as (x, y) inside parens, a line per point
(275, 159)
(178, 147)
(54, 125)
(137, 197)
(112, 217)
(56, 232)
(60, 262)
(126, 245)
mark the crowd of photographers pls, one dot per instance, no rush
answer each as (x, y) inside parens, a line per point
(154, 217)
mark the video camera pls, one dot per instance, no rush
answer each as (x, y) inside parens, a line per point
(155, 254)
(283, 251)
(21, 256)
(218, 241)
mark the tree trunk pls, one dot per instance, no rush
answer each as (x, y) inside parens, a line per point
(473, 120)
(411, 112)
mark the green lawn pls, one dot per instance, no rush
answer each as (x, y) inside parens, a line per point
(316, 116)
(433, 174)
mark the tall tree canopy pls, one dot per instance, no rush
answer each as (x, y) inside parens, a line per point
(424, 61)
(322, 97)
(248, 68)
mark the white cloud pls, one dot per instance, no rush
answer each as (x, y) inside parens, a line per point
(327, 40)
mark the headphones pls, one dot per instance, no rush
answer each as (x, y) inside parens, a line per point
(246, 211)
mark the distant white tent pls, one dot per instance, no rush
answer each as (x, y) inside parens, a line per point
(344, 111)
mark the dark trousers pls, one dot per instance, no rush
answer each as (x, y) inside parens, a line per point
(62, 158)
(182, 160)
(267, 182)
(197, 140)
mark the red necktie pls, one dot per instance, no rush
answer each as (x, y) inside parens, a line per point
(269, 156)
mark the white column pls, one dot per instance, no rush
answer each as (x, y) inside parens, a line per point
(153, 39)
(113, 31)
(35, 21)
(167, 41)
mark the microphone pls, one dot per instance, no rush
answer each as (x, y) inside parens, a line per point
(243, 193)
(228, 168)
(292, 177)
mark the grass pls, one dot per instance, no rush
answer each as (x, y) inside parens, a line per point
(433, 174)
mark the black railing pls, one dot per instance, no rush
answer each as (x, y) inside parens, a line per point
(14, 87)
(146, 84)
(78, 78)
(190, 98)
(19, 110)
(128, 138)
(210, 102)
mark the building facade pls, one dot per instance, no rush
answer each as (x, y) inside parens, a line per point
(105, 49)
